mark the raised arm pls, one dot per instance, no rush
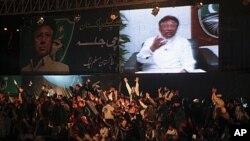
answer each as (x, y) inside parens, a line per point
(169, 95)
(127, 85)
(146, 54)
(143, 105)
(159, 93)
(20, 91)
(137, 91)
(219, 102)
(151, 99)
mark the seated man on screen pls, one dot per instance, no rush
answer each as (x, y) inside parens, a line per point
(168, 52)
(42, 61)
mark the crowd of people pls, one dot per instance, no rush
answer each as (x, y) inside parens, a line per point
(93, 113)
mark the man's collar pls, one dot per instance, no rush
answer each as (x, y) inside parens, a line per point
(47, 60)
(171, 39)
(42, 62)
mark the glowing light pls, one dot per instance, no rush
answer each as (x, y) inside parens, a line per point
(77, 18)
(40, 21)
(63, 81)
(198, 5)
(155, 10)
(113, 16)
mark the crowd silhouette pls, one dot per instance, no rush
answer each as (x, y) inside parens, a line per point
(93, 113)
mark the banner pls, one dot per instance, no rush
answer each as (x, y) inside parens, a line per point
(87, 45)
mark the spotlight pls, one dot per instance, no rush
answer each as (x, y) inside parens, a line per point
(17, 30)
(155, 10)
(5, 28)
(77, 18)
(198, 5)
(40, 21)
(114, 14)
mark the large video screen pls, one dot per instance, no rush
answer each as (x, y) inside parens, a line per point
(70, 44)
(170, 39)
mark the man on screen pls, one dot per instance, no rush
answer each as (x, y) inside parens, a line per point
(43, 41)
(167, 52)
